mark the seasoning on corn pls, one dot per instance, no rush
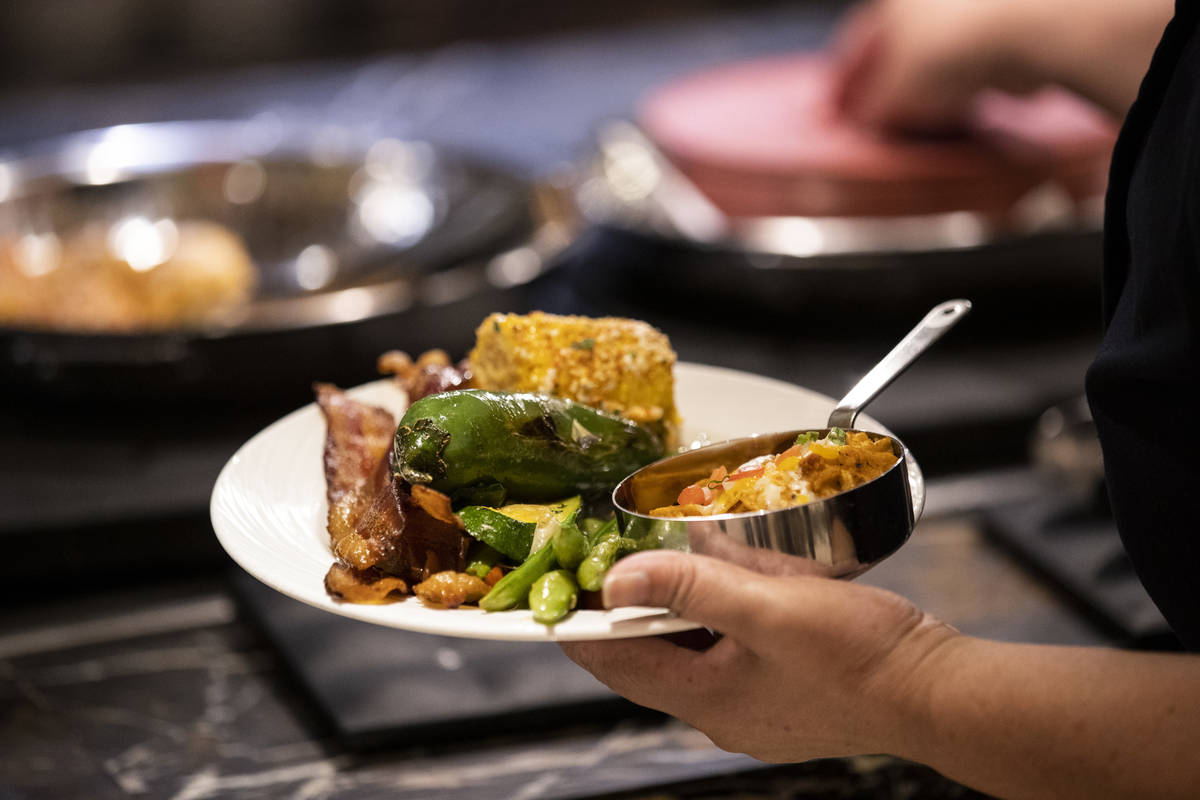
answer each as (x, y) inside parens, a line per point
(623, 366)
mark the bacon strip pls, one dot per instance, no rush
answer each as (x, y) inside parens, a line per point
(379, 525)
(357, 440)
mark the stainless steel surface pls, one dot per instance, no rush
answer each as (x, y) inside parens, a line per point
(631, 171)
(839, 536)
(630, 183)
(342, 227)
(932, 327)
(1044, 257)
(361, 243)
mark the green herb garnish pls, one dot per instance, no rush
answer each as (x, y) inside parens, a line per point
(584, 344)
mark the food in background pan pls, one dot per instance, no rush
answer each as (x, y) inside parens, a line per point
(493, 486)
(816, 466)
(137, 275)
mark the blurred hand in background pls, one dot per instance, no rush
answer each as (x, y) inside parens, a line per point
(917, 64)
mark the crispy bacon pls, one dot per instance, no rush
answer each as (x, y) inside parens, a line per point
(357, 440)
(378, 523)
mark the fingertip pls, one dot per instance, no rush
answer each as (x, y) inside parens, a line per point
(705, 590)
(628, 582)
(629, 587)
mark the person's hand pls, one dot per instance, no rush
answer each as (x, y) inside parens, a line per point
(807, 667)
(918, 64)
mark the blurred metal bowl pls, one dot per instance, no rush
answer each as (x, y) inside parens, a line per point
(375, 243)
(1047, 249)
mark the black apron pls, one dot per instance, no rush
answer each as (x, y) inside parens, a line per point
(1144, 386)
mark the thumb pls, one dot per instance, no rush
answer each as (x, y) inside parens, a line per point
(705, 590)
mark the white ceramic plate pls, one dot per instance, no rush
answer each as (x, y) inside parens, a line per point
(268, 505)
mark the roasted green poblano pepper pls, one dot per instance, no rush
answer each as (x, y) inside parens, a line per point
(472, 443)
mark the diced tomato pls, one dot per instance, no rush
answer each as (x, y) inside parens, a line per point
(795, 450)
(698, 495)
(747, 473)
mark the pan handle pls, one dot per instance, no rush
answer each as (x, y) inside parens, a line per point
(931, 328)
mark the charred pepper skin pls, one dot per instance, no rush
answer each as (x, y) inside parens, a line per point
(534, 446)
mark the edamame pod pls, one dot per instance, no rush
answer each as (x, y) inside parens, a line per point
(600, 559)
(570, 545)
(590, 526)
(606, 528)
(552, 596)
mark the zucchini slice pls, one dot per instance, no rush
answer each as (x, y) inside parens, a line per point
(513, 529)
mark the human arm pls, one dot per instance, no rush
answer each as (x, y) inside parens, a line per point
(918, 63)
(811, 667)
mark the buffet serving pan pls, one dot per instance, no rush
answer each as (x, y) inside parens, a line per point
(416, 244)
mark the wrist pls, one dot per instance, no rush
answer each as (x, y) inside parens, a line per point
(906, 694)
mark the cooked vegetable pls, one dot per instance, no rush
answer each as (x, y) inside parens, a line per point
(481, 558)
(570, 545)
(534, 447)
(601, 557)
(623, 366)
(604, 528)
(513, 588)
(815, 467)
(451, 589)
(552, 596)
(590, 525)
(512, 529)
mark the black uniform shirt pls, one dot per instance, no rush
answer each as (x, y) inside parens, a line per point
(1144, 386)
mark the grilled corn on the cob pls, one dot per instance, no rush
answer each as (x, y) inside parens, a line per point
(618, 365)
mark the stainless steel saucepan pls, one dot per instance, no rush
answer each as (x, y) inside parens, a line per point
(839, 536)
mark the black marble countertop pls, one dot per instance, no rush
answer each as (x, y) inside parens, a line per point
(168, 690)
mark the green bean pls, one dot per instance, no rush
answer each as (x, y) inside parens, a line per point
(511, 590)
(570, 545)
(553, 595)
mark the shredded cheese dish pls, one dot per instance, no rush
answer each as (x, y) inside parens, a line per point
(811, 469)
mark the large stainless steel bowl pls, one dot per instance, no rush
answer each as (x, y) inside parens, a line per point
(361, 244)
